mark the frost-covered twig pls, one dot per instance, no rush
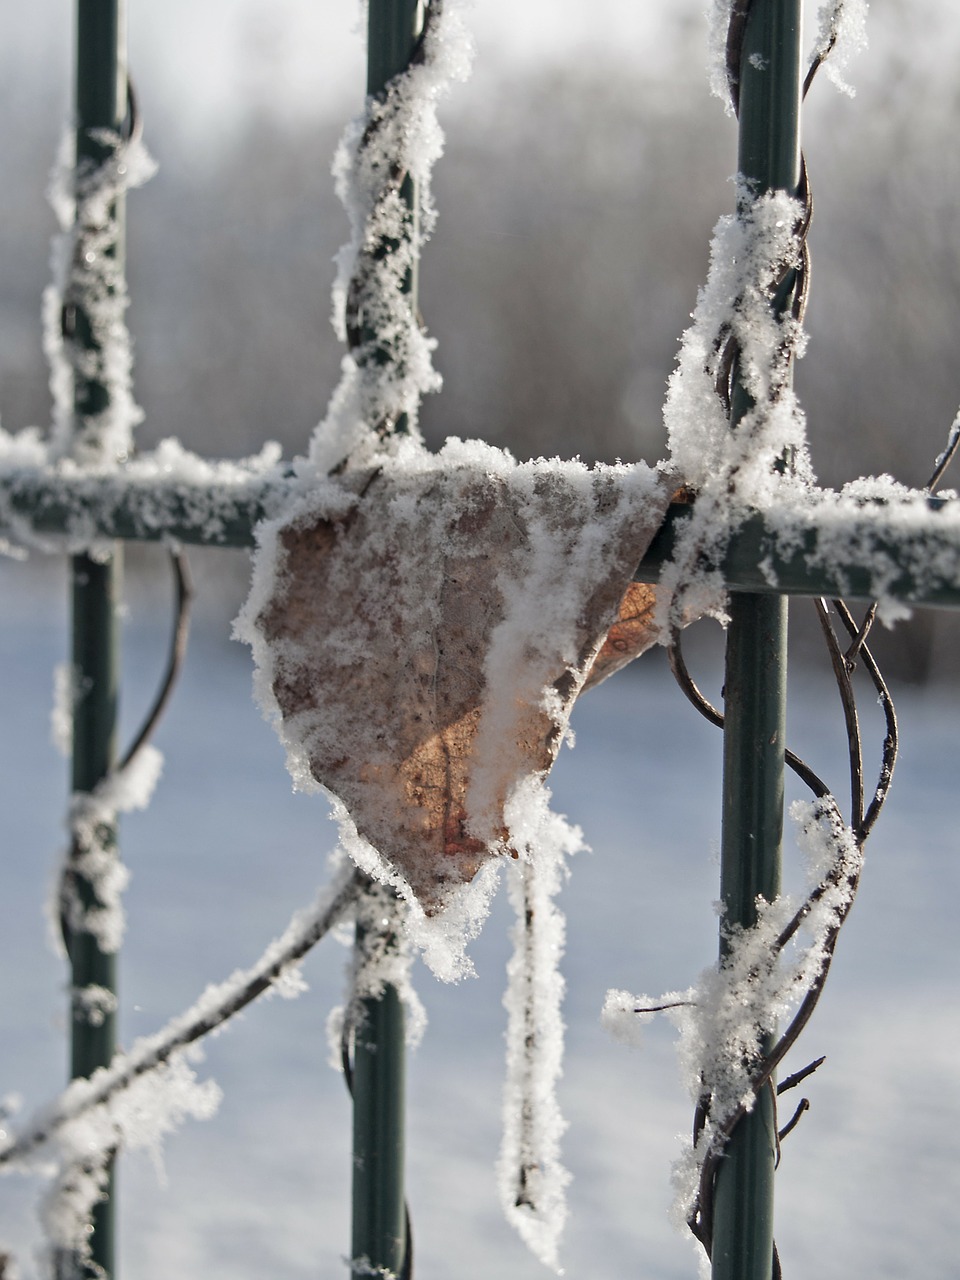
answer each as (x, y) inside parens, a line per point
(216, 1006)
(842, 34)
(92, 878)
(752, 977)
(946, 457)
(85, 334)
(532, 1179)
(382, 957)
(382, 171)
(830, 901)
(746, 332)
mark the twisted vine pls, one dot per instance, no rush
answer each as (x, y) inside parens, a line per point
(788, 295)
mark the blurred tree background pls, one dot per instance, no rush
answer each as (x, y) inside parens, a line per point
(576, 205)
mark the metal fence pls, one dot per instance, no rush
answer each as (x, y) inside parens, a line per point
(906, 552)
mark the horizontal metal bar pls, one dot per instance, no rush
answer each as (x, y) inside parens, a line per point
(79, 508)
(906, 549)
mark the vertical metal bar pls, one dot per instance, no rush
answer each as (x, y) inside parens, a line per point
(393, 28)
(96, 586)
(755, 684)
(379, 1232)
(379, 1235)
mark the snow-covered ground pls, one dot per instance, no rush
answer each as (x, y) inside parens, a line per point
(226, 853)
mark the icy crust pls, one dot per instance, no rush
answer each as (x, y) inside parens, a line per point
(397, 138)
(888, 539)
(719, 16)
(92, 857)
(531, 1177)
(89, 286)
(735, 472)
(760, 981)
(420, 630)
(841, 36)
(150, 494)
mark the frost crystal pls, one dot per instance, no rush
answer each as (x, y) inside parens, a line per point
(89, 292)
(735, 470)
(93, 858)
(532, 1179)
(764, 975)
(719, 16)
(65, 695)
(394, 144)
(841, 35)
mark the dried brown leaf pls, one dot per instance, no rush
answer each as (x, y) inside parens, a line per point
(383, 626)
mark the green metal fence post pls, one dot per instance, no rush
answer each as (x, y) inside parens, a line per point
(379, 1232)
(101, 93)
(755, 684)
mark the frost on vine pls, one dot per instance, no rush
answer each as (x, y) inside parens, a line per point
(85, 333)
(766, 973)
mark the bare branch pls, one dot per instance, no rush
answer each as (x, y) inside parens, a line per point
(209, 1015)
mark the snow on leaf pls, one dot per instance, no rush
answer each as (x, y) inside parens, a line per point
(423, 643)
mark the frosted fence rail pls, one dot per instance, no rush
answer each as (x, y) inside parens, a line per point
(900, 545)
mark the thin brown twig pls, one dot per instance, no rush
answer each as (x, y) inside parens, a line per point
(945, 458)
(852, 655)
(841, 674)
(891, 741)
(802, 1106)
(692, 692)
(183, 582)
(798, 1077)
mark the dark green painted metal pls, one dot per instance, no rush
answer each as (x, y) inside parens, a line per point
(379, 1228)
(919, 564)
(100, 104)
(754, 741)
(769, 136)
(755, 679)
(392, 30)
(91, 507)
(857, 556)
(379, 1236)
